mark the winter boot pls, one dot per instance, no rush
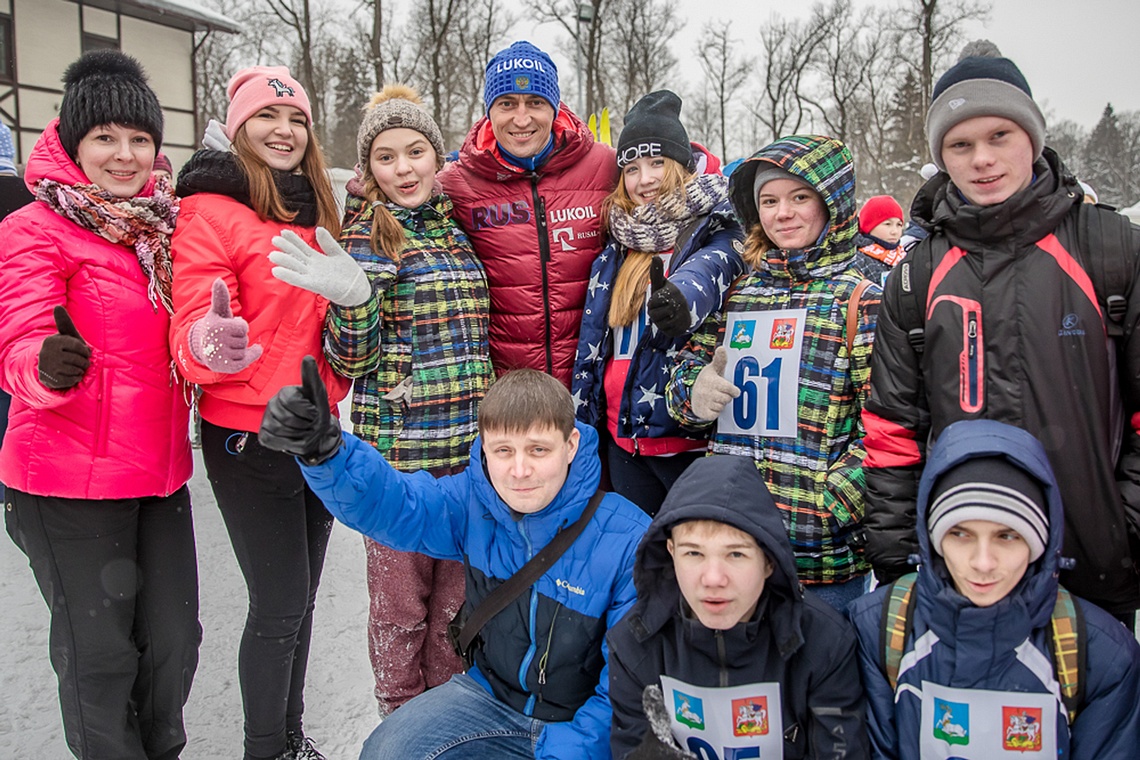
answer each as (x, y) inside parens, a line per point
(301, 747)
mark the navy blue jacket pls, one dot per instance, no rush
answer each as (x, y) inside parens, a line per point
(703, 268)
(794, 639)
(971, 647)
(543, 655)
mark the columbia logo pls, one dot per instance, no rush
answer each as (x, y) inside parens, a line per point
(572, 589)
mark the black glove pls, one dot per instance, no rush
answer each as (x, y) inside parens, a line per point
(658, 743)
(297, 420)
(667, 307)
(64, 357)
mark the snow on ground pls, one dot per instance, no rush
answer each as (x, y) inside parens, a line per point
(340, 709)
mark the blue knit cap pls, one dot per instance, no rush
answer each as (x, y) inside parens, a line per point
(521, 69)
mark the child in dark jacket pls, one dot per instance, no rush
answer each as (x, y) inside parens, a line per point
(880, 230)
(668, 215)
(744, 660)
(977, 676)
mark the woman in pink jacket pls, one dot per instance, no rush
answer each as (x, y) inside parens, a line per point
(240, 334)
(96, 455)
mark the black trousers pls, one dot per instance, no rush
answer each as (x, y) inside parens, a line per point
(121, 580)
(279, 530)
(646, 480)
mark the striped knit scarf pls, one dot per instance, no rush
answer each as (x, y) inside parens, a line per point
(654, 227)
(144, 224)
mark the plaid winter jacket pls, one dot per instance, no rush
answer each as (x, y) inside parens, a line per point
(816, 476)
(418, 347)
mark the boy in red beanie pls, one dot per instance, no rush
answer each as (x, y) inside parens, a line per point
(880, 229)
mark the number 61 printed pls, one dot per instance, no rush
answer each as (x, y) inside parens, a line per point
(764, 350)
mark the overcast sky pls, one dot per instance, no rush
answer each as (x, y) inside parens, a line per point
(1076, 54)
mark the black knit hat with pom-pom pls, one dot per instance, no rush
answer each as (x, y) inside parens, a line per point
(106, 87)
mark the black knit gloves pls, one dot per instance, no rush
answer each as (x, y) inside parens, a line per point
(667, 307)
(297, 419)
(64, 356)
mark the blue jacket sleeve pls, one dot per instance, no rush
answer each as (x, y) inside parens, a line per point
(1108, 723)
(587, 736)
(705, 275)
(406, 511)
(866, 615)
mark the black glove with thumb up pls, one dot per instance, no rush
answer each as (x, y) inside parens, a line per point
(64, 357)
(297, 419)
(667, 307)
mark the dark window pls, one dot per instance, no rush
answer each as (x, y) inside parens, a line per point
(7, 54)
(96, 42)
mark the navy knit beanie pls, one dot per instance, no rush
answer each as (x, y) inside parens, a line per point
(106, 87)
(521, 69)
(653, 128)
(982, 83)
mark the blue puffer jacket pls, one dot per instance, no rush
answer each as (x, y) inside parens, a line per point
(960, 645)
(702, 268)
(556, 673)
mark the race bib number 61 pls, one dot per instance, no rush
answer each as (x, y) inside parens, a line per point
(764, 351)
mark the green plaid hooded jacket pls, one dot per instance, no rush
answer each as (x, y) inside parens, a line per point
(816, 478)
(425, 326)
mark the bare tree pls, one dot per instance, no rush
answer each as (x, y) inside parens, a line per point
(298, 17)
(840, 63)
(725, 73)
(639, 57)
(586, 42)
(788, 48)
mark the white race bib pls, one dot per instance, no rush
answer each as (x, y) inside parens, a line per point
(628, 336)
(975, 724)
(764, 350)
(732, 723)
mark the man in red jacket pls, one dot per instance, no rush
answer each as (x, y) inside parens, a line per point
(528, 190)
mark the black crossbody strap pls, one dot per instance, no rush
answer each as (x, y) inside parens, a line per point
(527, 575)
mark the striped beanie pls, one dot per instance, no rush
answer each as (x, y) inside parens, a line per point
(993, 489)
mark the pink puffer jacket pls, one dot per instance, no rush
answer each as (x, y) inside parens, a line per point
(122, 431)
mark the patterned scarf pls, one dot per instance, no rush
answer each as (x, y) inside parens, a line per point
(144, 224)
(654, 227)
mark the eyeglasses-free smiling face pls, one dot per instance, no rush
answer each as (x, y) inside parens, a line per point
(720, 570)
(116, 158)
(988, 158)
(986, 560)
(279, 136)
(403, 164)
(792, 215)
(521, 123)
(529, 469)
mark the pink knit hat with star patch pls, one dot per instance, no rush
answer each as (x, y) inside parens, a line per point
(254, 88)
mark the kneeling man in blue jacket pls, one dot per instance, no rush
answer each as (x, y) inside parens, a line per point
(988, 658)
(538, 686)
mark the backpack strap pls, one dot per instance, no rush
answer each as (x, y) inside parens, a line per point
(897, 626)
(1104, 239)
(915, 271)
(1067, 640)
(853, 312)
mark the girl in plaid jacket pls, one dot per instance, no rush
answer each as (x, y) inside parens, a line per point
(797, 367)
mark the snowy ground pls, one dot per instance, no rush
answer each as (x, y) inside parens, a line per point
(340, 710)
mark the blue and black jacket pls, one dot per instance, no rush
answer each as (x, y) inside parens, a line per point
(543, 655)
(957, 644)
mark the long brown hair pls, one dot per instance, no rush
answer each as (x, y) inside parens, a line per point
(263, 194)
(633, 277)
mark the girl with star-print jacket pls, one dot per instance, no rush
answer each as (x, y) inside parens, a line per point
(621, 369)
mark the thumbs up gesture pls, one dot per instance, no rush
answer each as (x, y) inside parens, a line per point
(667, 307)
(711, 392)
(220, 340)
(64, 357)
(297, 419)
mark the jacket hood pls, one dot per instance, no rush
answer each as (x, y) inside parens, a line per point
(480, 151)
(1026, 216)
(727, 489)
(582, 481)
(704, 161)
(825, 164)
(1030, 604)
(48, 160)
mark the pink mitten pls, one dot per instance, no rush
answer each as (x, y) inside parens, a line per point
(220, 340)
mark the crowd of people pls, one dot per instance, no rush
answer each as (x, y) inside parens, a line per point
(631, 443)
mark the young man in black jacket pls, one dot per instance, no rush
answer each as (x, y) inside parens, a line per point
(743, 662)
(1016, 308)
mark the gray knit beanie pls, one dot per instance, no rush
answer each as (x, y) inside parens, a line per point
(397, 105)
(982, 83)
